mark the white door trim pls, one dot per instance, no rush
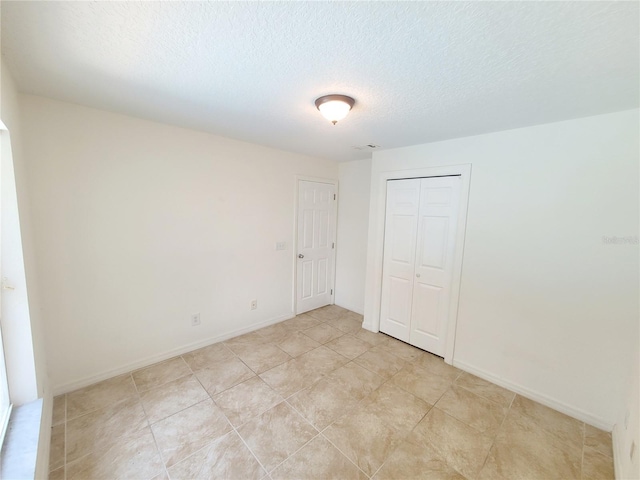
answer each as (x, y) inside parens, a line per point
(375, 251)
(294, 256)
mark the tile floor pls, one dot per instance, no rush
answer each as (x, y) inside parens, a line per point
(315, 397)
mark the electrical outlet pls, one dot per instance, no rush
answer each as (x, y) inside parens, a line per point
(195, 319)
(254, 304)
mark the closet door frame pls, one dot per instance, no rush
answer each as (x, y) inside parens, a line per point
(376, 245)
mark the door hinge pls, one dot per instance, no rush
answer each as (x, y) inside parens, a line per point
(334, 196)
(333, 245)
(332, 291)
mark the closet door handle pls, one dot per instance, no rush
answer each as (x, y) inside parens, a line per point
(418, 275)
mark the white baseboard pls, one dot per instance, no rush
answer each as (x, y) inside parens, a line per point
(574, 412)
(350, 307)
(145, 362)
(44, 439)
(617, 451)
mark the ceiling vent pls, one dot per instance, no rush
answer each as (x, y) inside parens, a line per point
(369, 146)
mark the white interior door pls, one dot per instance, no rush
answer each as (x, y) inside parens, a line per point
(316, 245)
(401, 224)
(420, 230)
(439, 198)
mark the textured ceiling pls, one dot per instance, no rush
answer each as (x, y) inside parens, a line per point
(419, 71)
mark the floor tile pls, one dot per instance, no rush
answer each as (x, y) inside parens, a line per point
(364, 438)
(567, 429)
(384, 409)
(461, 446)
(421, 383)
(524, 450)
(330, 312)
(276, 434)
(96, 429)
(291, 377)
(56, 451)
(132, 456)
(165, 400)
(246, 400)
(300, 323)
(323, 402)
(323, 333)
(59, 410)
(217, 378)
(160, 373)
(348, 346)
(436, 365)
(186, 432)
(485, 389)
(596, 466)
(371, 338)
(400, 349)
(415, 460)
(382, 363)
(226, 458)
(297, 343)
(347, 323)
(208, 357)
(58, 474)
(322, 360)
(100, 395)
(261, 358)
(477, 412)
(318, 460)
(356, 380)
(274, 333)
(251, 338)
(598, 440)
(397, 408)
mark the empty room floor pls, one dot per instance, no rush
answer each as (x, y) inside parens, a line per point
(315, 397)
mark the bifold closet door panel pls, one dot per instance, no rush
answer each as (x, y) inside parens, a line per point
(437, 225)
(401, 224)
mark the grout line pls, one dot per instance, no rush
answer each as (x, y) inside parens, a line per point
(251, 451)
(345, 456)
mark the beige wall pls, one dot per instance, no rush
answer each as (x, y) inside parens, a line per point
(25, 350)
(546, 308)
(140, 224)
(353, 220)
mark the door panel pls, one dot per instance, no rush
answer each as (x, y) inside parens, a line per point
(439, 198)
(403, 201)
(316, 234)
(426, 301)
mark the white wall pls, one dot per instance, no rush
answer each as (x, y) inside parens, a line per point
(22, 327)
(140, 224)
(353, 221)
(546, 308)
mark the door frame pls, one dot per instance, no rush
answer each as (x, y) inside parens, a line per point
(373, 296)
(330, 181)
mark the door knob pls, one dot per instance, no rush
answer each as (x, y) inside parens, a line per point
(418, 275)
(300, 255)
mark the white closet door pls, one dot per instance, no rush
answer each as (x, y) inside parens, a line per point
(403, 200)
(438, 218)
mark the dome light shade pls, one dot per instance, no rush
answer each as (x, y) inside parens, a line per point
(334, 107)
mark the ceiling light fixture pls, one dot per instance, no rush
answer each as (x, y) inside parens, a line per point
(334, 107)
